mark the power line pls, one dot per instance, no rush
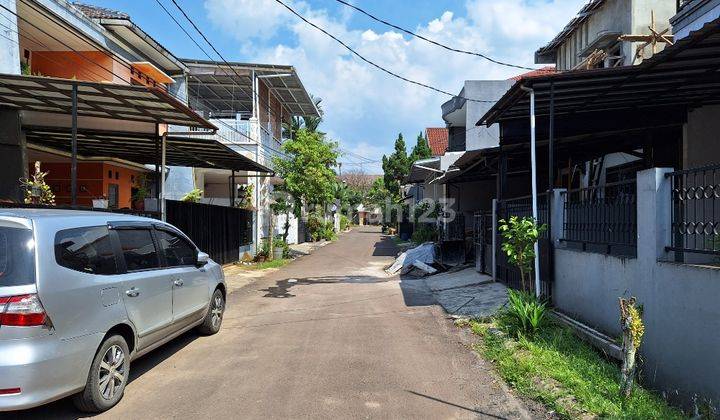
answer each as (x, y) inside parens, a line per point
(411, 33)
(212, 46)
(368, 61)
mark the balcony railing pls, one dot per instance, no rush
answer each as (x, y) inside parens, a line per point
(695, 218)
(602, 218)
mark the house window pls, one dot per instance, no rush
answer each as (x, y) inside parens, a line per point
(110, 174)
(117, 175)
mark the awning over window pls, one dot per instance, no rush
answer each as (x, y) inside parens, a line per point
(139, 148)
(103, 100)
(421, 170)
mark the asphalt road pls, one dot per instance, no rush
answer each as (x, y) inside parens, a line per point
(328, 336)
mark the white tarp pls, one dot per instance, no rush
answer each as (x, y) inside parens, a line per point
(404, 262)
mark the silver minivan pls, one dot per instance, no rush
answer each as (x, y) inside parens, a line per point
(84, 293)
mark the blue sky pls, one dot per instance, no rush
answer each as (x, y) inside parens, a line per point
(366, 109)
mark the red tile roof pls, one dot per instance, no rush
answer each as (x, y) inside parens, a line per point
(437, 140)
(535, 73)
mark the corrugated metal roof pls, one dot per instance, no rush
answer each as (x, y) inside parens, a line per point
(684, 74)
(97, 12)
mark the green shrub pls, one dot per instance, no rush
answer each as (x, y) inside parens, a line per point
(280, 243)
(424, 234)
(193, 196)
(264, 250)
(524, 315)
(344, 222)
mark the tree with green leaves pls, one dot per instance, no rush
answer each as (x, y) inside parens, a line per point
(378, 194)
(396, 168)
(519, 237)
(421, 150)
(307, 169)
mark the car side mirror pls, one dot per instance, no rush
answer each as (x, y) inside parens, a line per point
(202, 259)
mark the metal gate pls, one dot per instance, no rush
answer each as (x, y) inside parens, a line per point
(218, 230)
(507, 273)
(482, 239)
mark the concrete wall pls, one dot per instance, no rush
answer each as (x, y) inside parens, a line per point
(681, 349)
(486, 90)
(693, 16)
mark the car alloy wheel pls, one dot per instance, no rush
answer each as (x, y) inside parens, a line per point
(217, 311)
(112, 373)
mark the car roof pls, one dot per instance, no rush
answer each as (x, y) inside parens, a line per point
(48, 215)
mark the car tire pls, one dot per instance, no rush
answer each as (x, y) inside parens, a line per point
(213, 319)
(107, 378)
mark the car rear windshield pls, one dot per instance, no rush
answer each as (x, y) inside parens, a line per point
(17, 256)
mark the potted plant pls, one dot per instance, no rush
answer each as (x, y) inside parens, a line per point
(280, 248)
(140, 192)
(37, 191)
(263, 252)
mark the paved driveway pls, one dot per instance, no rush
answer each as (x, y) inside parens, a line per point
(328, 336)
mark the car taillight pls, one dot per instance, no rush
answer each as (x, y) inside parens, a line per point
(22, 311)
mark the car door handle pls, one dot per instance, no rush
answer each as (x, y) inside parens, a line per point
(178, 283)
(133, 292)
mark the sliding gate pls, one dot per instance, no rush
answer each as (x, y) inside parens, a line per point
(482, 241)
(507, 273)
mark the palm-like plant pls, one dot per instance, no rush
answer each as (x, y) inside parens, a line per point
(309, 123)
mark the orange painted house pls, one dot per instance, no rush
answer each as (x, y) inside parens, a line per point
(96, 180)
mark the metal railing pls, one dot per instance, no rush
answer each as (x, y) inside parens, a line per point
(452, 230)
(602, 218)
(695, 204)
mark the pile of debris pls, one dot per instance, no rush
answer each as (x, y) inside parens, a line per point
(415, 261)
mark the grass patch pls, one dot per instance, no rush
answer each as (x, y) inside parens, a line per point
(567, 375)
(265, 265)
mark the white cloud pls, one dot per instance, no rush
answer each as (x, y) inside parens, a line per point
(365, 108)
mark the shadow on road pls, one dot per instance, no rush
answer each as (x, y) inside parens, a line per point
(472, 410)
(416, 292)
(64, 408)
(386, 247)
(282, 287)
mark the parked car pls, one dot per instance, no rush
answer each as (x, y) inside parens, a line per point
(82, 294)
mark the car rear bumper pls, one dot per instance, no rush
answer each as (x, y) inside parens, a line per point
(44, 368)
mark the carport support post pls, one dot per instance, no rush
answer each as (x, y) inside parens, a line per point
(494, 238)
(73, 147)
(161, 194)
(551, 184)
(533, 174)
(233, 189)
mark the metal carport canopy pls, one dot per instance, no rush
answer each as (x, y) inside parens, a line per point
(686, 74)
(143, 148)
(96, 99)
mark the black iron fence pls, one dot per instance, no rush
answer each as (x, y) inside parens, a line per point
(602, 218)
(695, 220)
(509, 274)
(218, 230)
(452, 230)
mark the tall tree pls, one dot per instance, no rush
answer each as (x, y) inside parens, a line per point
(307, 169)
(421, 149)
(396, 167)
